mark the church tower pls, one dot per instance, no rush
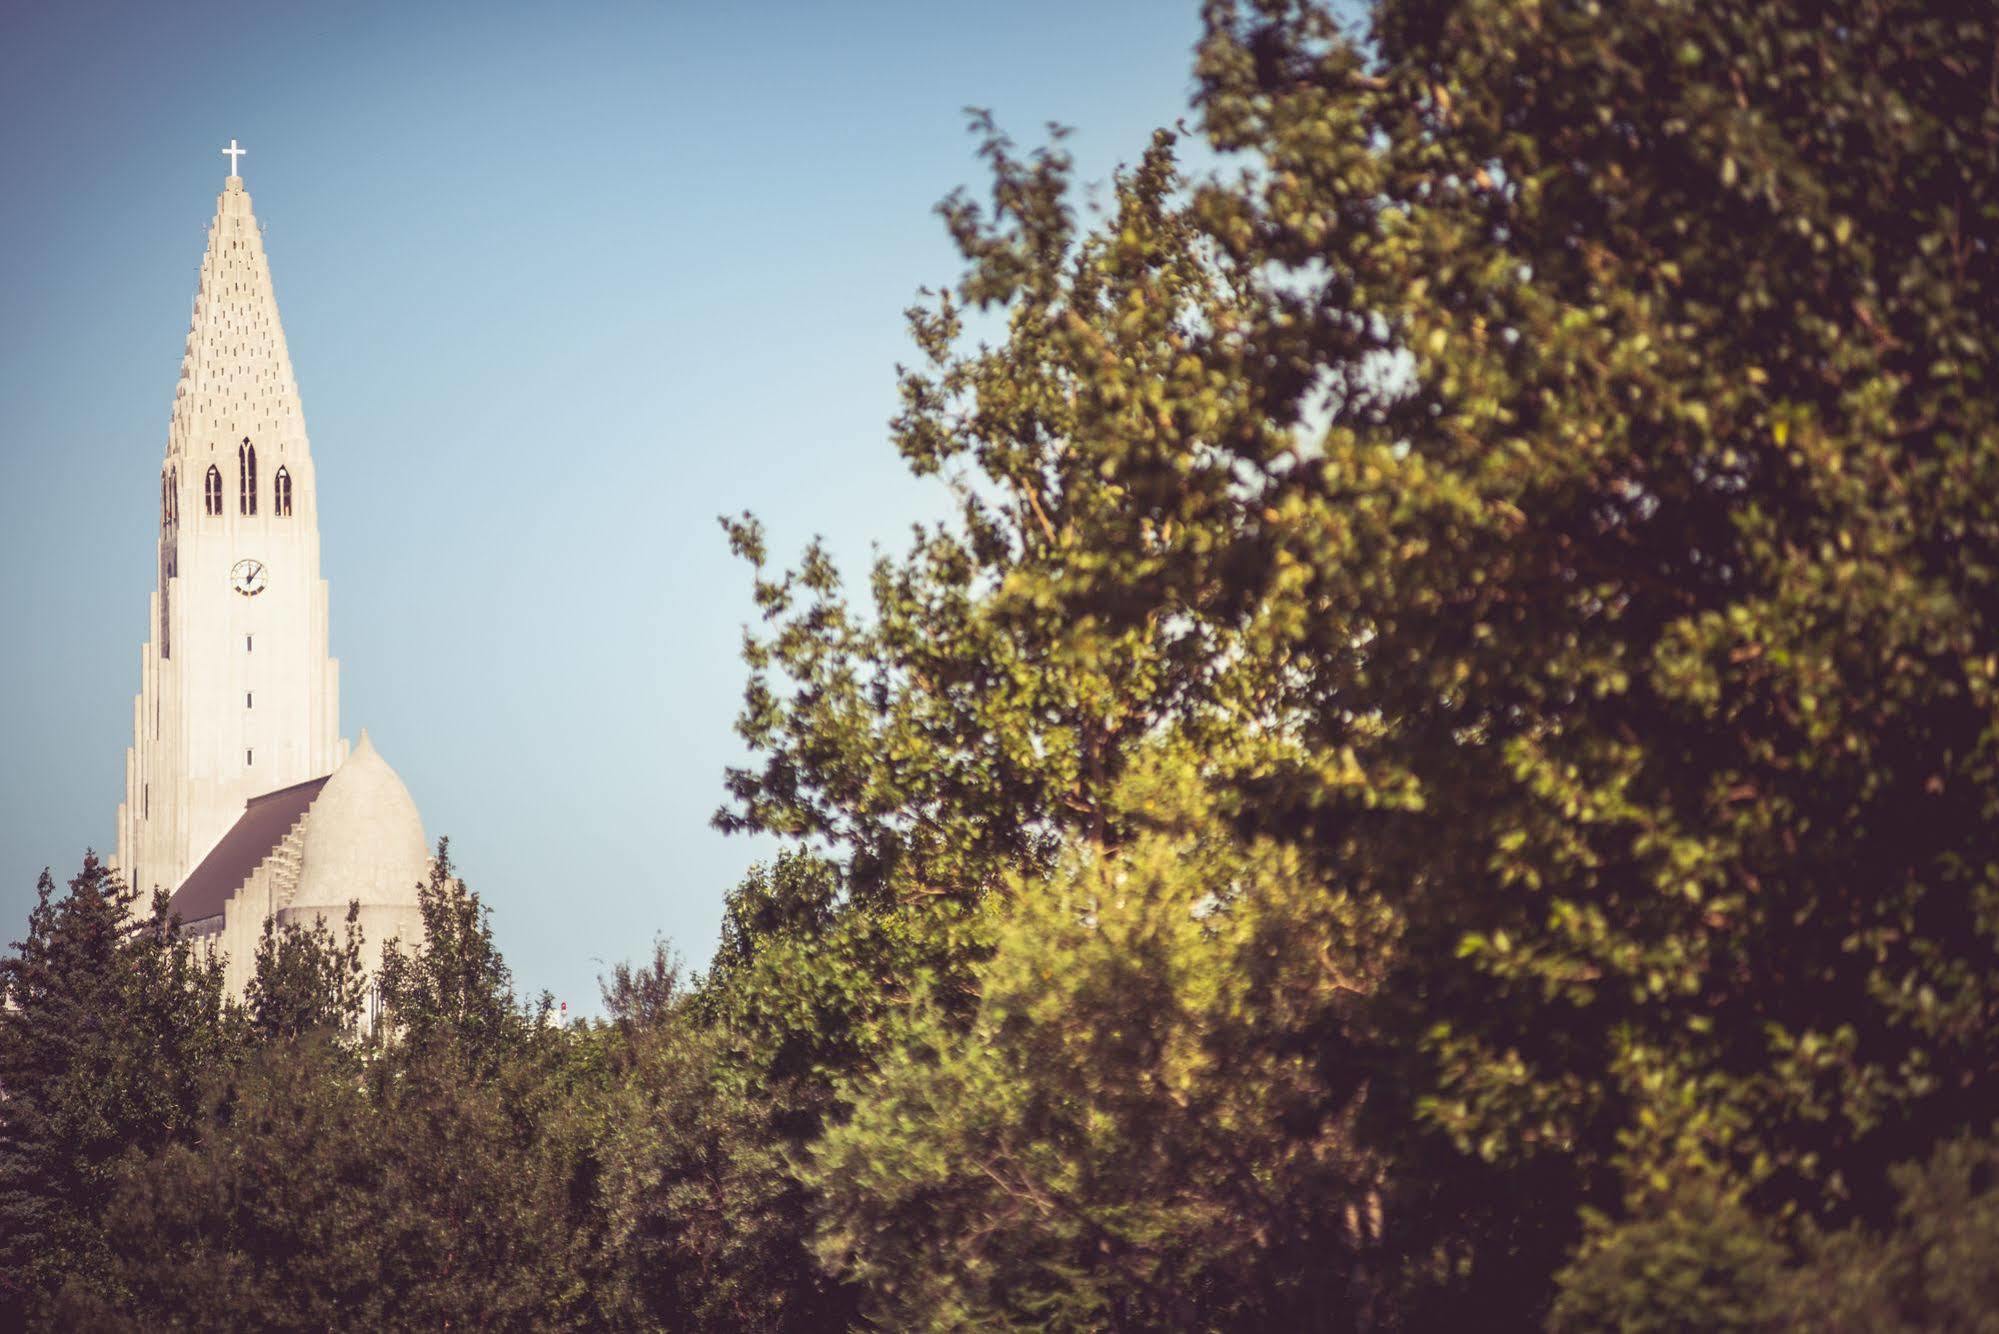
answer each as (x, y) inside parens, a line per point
(238, 694)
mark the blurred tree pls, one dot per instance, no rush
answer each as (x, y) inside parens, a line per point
(1693, 1259)
(1546, 476)
(1653, 559)
(1935, 1265)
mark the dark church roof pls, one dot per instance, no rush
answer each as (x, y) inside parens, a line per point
(257, 832)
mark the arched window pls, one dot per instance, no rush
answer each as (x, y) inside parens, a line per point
(169, 562)
(246, 470)
(211, 491)
(169, 525)
(281, 494)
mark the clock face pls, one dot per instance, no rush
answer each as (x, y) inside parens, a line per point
(247, 577)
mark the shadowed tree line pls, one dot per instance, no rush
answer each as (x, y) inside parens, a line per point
(1443, 772)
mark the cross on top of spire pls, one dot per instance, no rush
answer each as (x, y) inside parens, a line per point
(232, 153)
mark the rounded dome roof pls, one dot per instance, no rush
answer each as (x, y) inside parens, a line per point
(363, 839)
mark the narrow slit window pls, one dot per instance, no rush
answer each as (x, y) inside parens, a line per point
(246, 643)
(249, 700)
(211, 491)
(281, 494)
(246, 470)
(249, 757)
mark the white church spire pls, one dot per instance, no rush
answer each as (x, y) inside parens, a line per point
(238, 695)
(236, 373)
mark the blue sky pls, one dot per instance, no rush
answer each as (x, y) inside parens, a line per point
(561, 285)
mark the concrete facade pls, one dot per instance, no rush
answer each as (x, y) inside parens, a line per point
(238, 692)
(240, 795)
(353, 838)
(363, 844)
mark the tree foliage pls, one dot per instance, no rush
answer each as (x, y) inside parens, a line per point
(109, 1026)
(320, 1195)
(452, 988)
(1148, 1122)
(703, 1215)
(303, 982)
(438, 1176)
(1546, 477)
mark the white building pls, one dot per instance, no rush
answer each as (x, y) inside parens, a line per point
(241, 796)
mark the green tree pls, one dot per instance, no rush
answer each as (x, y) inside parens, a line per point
(1691, 1259)
(958, 730)
(441, 1176)
(452, 988)
(1137, 1130)
(304, 981)
(704, 1219)
(111, 1026)
(271, 1217)
(1546, 478)
(1934, 1265)
(807, 987)
(325, 1192)
(948, 742)
(1657, 565)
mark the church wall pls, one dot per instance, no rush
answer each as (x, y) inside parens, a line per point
(238, 692)
(263, 893)
(247, 698)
